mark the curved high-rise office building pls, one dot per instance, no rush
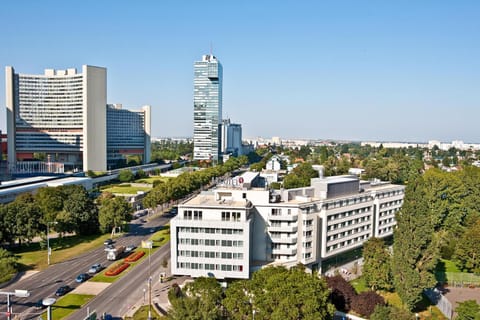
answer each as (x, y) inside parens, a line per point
(63, 114)
(207, 108)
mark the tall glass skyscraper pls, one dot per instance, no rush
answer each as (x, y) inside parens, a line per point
(207, 108)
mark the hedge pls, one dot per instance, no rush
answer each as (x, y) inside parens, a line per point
(135, 256)
(117, 269)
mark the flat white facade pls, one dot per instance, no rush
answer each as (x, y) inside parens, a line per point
(304, 225)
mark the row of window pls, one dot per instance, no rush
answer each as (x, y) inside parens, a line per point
(346, 202)
(210, 254)
(347, 233)
(348, 213)
(390, 194)
(235, 216)
(210, 230)
(189, 214)
(385, 230)
(209, 266)
(388, 212)
(347, 242)
(391, 203)
(211, 242)
(386, 221)
(347, 223)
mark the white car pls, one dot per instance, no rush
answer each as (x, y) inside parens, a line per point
(95, 268)
(130, 248)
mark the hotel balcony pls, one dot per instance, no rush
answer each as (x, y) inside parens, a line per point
(283, 217)
(286, 240)
(285, 251)
(285, 228)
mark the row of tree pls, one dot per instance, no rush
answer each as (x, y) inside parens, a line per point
(188, 182)
(65, 209)
(440, 218)
(274, 293)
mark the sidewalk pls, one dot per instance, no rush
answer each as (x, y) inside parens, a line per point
(159, 294)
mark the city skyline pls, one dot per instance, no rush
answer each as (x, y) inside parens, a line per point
(346, 71)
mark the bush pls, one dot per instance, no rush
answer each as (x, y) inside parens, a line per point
(135, 256)
(365, 303)
(8, 265)
(342, 293)
(117, 269)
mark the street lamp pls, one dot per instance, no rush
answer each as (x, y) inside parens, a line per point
(49, 251)
(149, 245)
(17, 293)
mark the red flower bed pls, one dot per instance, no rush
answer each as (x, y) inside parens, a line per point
(117, 269)
(135, 256)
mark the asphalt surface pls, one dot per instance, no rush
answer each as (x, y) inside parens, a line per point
(121, 295)
(44, 284)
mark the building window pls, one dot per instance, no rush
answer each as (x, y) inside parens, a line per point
(225, 216)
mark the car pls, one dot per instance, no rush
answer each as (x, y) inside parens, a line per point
(130, 248)
(108, 242)
(39, 304)
(62, 290)
(82, 277)
(95, 268)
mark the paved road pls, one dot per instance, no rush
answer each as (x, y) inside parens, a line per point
(119, 297)
(44, 284)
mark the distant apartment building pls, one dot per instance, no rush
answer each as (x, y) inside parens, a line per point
(231, 138)
(238, 227)
(207, 108)
(63, 114)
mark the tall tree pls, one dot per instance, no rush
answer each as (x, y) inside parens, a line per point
(377, 265)
(113, 212)
(467, 251)
(81, 209)
(275, 293)
(198, 300)
(468, 310)
(415, 246)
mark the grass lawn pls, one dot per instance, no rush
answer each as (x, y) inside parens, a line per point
(152, 179)
(67, 305)
(142, 314)
(33, 257)
(126, 190)
(359, 285)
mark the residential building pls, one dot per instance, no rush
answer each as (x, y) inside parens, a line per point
(207, 108)
(241, 225)
(63, 114)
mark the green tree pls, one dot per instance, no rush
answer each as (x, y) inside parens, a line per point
(276, 293)
(468, 310)
(198, 300)
(377, 265)
(467, 251)
(300, 176)
(8, 265)
(415, 246)
(113, 213)
(126, 175)
(27, 217)
(50, 200)
(80, 210)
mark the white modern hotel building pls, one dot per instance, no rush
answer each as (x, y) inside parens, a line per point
(240, 226)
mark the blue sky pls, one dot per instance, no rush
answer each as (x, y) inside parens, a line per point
(354, 70)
